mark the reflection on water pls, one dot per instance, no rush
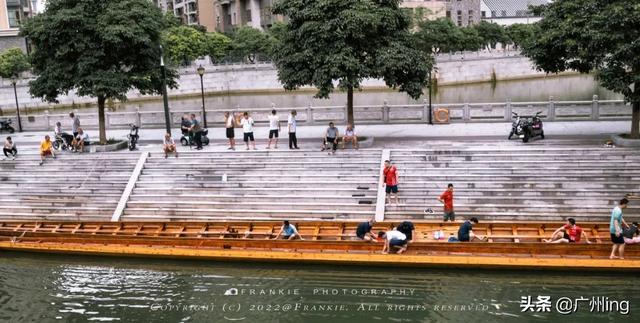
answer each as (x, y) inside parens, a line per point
(61, 288)
(562, 88)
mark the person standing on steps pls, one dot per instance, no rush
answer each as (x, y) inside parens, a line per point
(9, 148)
(291, 124)
(274, 128)
(230, 124)
(390, 176)
(76, 124)
(196, 130)
(247, 129)
(447, 200)
(615, 227)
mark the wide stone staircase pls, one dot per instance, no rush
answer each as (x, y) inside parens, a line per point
(256, 185)
(525, 182)
(70, 187)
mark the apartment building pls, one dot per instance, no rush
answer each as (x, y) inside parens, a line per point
(12, 14)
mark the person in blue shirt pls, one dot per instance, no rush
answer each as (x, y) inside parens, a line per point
(615, 227)
(288, 232)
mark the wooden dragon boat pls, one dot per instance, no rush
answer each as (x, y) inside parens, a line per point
(510, 244)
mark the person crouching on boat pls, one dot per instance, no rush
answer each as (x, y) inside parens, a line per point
(568, 233)
(363, 231)
(465, 232)
(393, 239)
(632, 234)
(288, 232)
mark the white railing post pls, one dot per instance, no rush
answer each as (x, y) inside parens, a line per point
(595, 108)
(466, 112)
(139, 118)
(385, 112)
(425, 111)
(310, 120)
(551, 115)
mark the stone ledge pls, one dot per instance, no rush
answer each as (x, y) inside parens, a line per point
(619, 140)
(106, 148)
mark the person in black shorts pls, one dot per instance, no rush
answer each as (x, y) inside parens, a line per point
(274, 129)
(230, 124)
(408, 229)
(363, 231)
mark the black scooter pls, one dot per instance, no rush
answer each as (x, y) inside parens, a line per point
(526, 127)
(5, 125)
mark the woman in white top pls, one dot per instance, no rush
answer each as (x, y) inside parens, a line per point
(230, 124)
(247, 128)
(350, 136)
(169, 146)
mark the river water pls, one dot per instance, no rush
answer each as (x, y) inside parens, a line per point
(561, 88)
(56, 288)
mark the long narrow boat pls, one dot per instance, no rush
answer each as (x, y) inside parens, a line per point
(510, 244)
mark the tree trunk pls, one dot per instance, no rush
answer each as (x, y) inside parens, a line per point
(635, 119)
(350, 105)
(101, 119)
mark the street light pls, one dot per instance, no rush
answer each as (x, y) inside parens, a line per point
(14, 80)
(204, 113)
(163, 71)
(430, 106)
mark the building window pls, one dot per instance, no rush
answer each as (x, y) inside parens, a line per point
(13, 13)
(233, 22)
(249, 15)
(484, 14)
(459, 18)
(504, 13)
(470, 22)
(448, 14)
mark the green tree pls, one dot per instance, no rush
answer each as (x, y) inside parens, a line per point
(184, 44)
(438, 36)
(491, 34)
(13, 62)
(521, 34)
(98, 48)
(250, 43)
(588, 35)
(348, 41)
(218, 45)
(470, 39)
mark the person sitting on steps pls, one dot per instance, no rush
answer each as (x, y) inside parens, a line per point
(330, 137)
(9, 148)
(350, 136)
(80, 140)
(169, 146)
(46, 149)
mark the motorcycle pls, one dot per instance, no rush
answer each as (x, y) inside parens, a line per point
(5, 125)
(133, 136)
(526, 127)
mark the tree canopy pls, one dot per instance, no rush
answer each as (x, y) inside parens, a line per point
(184, 44)
(438, 36)
(491, 34)
(347, 42)
(101, 49)
(592, 35)
(13, 62)
(251, 44)
(521, 34)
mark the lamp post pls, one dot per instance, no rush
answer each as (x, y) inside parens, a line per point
(430, 106)
(163, 71)
(14, 80)
(204, 112)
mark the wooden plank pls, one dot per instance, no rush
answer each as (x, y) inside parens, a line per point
(316, 232)
(203, 230)
(515, 234)
(489, 233)
(78, 226)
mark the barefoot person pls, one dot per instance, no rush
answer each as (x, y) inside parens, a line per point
(46, 149)
(247, 129)
(465, 232)
(79, 141)
(363, 231)
(230, 124)
(568, 233)
(9, 148)
(291, 125)
(330, 138)
(615, 227)
(169, 146)
(288, 232)
(350, 136)
(390, 175)
(274, 129)
(447, 200)
(393, 239)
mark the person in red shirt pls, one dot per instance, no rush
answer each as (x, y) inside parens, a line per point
(390, 175)
(447, 200)
(568, 233)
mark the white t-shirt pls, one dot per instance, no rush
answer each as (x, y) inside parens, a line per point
(274, 122)
(393, 234)
(292, 123)
(247, 125)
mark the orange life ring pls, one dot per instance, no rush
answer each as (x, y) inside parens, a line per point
(441, 115)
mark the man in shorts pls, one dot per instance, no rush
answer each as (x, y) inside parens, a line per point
(247, 129)
(274, 129)
(230, 124)
(288, 232)
(393, 239)
(46, 149)
(465, 232)
(363, 231)
(615, 227)
(447, 200)
(568, 233)
(390, 176)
